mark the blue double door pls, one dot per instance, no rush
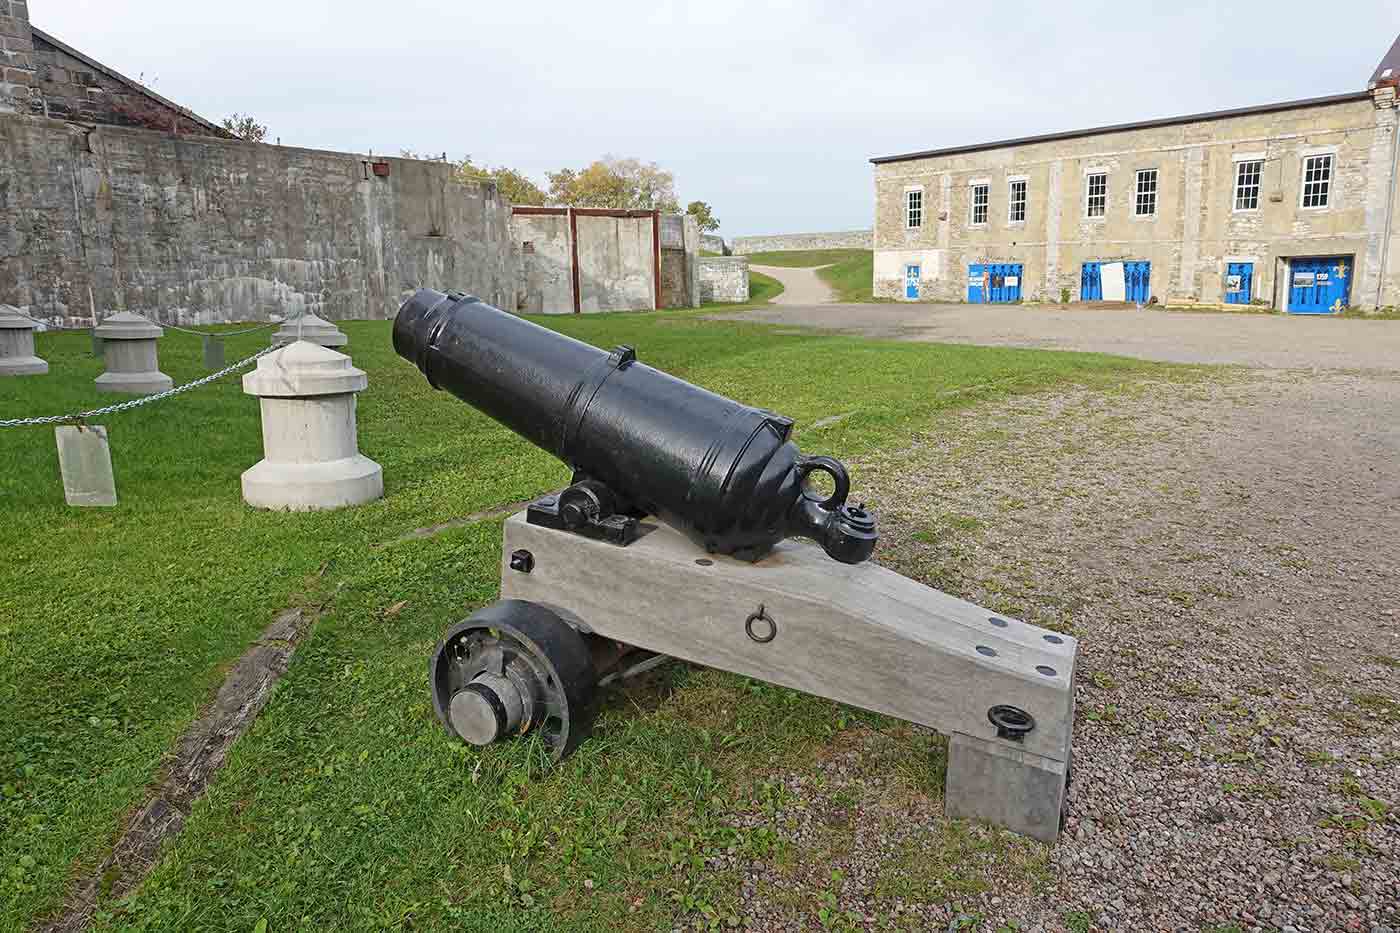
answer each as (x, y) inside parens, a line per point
(1319, 285)
(993, 282)
(1137, 281)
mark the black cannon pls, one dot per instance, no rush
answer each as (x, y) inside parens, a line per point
(639, 440)
(669, 543)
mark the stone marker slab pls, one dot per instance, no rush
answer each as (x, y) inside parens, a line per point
(85, 461)
(213, 352)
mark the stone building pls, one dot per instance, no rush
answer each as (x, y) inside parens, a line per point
(1291, 205)
(42, 75)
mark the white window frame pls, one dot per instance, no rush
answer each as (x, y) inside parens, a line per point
(972, 186)
(909, 210)
(1238, 162)
(1138, 193)
(1307, 156)
(1011, 182)
(1088, 188)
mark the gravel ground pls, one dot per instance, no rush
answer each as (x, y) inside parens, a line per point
(1270, 340)
(1226, 551)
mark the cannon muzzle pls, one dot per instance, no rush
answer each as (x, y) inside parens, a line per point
(640, 441)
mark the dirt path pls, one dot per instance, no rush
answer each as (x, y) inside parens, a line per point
(1226, 552)
(1174, 336)
(800, 286)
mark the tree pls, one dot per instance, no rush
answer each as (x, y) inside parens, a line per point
(515, 186)
(625, 184)
(703, 216)
(244, 126)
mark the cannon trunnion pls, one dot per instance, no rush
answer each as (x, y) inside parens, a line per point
(672, 542)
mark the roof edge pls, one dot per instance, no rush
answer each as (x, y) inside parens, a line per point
(1349, 97)
(123, 79)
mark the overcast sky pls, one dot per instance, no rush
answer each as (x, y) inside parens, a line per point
(767, 111)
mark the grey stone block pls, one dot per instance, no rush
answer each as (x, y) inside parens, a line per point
(993, 780)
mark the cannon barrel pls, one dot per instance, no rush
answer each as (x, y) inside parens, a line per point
(639, 440)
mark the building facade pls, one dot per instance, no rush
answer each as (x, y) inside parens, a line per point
(44, 76)
(1291, 205)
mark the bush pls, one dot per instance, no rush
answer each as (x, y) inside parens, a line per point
(1064, 296)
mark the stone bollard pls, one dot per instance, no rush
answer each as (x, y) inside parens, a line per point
(312, 329)
(17, 345)
(311, 456)
(129, 349)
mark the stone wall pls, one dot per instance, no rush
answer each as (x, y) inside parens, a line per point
(616, 264)
(616, 253)
(713, 243)
(724, 278)
(192, 229)
(544, 262)
(847, 239)
(16, 56)
(1195, 230)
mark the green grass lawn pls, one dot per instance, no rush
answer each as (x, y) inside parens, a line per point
(346, 806)
(849, 272)
(763, 288)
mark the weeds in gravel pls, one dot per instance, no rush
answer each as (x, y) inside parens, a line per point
(1078, 921)
(1378, 705)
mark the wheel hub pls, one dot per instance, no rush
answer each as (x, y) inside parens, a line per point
(514, 668)
(489, 708)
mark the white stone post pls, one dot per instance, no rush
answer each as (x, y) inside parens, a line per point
(17, 345)
(129, 349)
(310, 328)
(311, 456)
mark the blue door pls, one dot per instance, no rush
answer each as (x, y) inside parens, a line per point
(911, 281)
(1137, 281)
(1090, 285)
(976, 280)
(994, 282)
(1239, 283)
(1320, 285)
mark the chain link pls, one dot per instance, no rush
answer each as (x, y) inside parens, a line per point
(136, 402)
(232, 333)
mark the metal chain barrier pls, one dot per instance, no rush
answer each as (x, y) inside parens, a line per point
(233, 333)
(136, 402)
(184, 330)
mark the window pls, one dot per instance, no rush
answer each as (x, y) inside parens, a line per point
(1145, 204)
(979, 205)
(1247, 176)
(1095, 194)
(1317, 180)
(1016, 203)
(914, 209)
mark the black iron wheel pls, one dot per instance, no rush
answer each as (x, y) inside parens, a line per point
(514, 668)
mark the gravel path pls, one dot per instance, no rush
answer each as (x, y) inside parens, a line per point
(1270, 340)
(801, 286)
(1228, 553)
